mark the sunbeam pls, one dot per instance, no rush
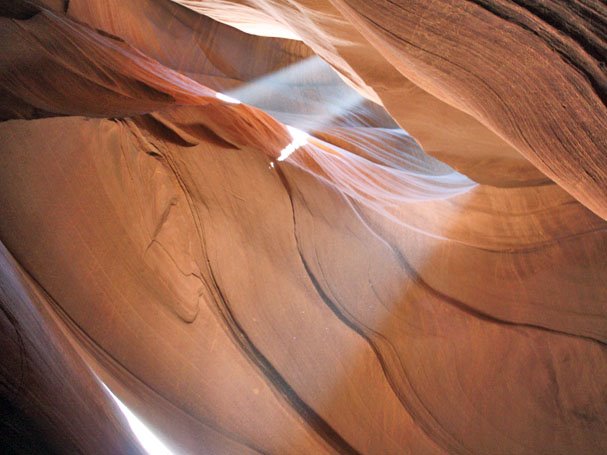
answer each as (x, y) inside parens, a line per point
(148, 440)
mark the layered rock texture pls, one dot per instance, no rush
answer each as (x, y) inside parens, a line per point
(303, 227)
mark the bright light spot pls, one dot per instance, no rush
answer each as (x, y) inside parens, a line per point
(265, 29)
(300, 138)
(148, 440)
(226, 98)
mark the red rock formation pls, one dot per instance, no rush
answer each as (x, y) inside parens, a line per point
(247, 287)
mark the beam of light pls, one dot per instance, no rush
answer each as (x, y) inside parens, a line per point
(300, 138)
(308, 94)
(148, 440)
(375, 162)
(226, 98)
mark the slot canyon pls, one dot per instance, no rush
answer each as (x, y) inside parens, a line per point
(303, 227)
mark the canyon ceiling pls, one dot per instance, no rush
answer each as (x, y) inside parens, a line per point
(303, 226)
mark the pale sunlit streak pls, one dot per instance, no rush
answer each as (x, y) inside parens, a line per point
(148, 440)
(300, 138)
(226, 98)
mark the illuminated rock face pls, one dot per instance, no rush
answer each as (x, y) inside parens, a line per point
(220, 235)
